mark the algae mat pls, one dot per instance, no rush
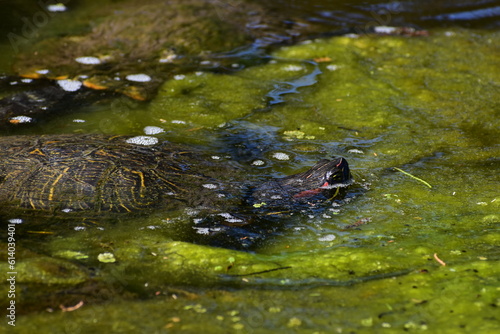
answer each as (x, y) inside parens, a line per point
(403, 255)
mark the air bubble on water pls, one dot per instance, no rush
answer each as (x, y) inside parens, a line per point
(141, 77)
(69, 85)
(142, 140)
(66, 210)
(332, 67)
(26, 80)
(57, 7)
(79, 228)
(153, 130)
(44, 71)
(355, 150)
(179, 77)
(210, 186)
(15, 221)
(88, 60)
(281, 156)
(215, 157)
(79, 120)
(175, 121)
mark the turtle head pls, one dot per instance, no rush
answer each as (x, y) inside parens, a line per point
(326, 180)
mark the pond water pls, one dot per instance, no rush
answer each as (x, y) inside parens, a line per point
(415, 246)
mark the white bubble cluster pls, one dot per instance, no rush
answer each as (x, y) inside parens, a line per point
(328, 237)
(69, 85)
(142, 140)
(138, 77)
(57, 7)
(15, 221)
(88, 60)
(281, 156)
(210, 186)
(153, 130)
(293, 68)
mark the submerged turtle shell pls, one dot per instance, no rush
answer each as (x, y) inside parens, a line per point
(63, 175)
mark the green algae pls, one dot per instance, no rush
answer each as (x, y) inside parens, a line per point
(426, 105)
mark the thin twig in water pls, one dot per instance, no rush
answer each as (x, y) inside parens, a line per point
(441, 262)
(413, 177)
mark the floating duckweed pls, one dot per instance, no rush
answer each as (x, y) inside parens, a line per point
(274, 309)
(106, 258)
(297, 134)
(198, 308)
(258, 205)
(142, 140)
(88, 60)
(294, 322)
(368, 322)
(238, 326)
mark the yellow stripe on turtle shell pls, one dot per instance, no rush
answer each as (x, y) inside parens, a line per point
(37, 151)
(52, 187)
(143, 185)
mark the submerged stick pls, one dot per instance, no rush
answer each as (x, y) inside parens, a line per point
(413, 177)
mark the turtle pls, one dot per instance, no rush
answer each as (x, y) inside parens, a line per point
(104, 177)
(131, 47)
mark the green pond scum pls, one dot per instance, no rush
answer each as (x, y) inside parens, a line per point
(397, 257)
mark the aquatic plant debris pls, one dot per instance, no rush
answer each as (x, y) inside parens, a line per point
(413, 177)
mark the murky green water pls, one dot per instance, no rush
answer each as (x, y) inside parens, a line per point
(427, 105)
